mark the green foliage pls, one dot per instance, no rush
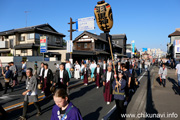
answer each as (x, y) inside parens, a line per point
(10, 54)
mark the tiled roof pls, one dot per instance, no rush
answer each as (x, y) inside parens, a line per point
(176, 33)
(31, 28)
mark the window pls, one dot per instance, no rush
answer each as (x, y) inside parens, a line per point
(30, 36)
(11, 43)
(23, 51)
(104, 46)
(85, 45)
(2, 38)
(37, 36)
(78, 45)
(22, 38)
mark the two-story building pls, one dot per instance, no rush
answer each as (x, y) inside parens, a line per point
(173, 46)
(120, 40)
(94, 47)
(26, 41)
(90, 46)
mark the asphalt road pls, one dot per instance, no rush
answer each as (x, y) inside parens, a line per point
(88, 99)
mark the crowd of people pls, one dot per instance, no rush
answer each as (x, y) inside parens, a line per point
(118, 79)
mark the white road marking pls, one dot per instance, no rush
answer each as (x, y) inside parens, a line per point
(6, 96)
(141, 76)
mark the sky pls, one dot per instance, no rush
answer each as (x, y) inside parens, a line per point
(147, 22)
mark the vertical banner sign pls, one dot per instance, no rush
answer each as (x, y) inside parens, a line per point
(43, 44)
(133, 46)
(69, 46)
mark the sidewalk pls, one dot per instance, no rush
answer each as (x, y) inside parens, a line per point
(166, 100)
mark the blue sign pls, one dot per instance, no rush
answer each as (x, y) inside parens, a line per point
(178, 49)
(43, 50)
(43, 44)
(144, 49)
(46, 59)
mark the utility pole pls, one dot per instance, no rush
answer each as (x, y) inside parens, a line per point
(71, 30)
(26, 16)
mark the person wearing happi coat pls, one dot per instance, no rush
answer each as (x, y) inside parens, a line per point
(98, 73)
(47, 80)
(92, 68)
(107, 83)
(86, 72)
(63, 108)
(119, 86)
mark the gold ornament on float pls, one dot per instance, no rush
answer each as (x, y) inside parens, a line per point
(104, 17)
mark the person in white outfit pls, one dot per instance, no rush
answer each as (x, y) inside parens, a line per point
(92, 68)
(77, 71)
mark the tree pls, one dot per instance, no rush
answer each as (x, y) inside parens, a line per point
(10, 54)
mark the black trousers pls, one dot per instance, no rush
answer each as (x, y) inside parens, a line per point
(23, 74)
(36, 104)
(3, 112)
(120, 108)
(6, 87)
(164, 82)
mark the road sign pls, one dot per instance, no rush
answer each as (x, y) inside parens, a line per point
(83, 24)
(43, 44)
(144, 49)
(69, 46)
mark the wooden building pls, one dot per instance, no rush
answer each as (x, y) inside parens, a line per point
(94, 47)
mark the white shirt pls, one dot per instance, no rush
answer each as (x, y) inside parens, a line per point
(163, 72)
(77, 67)
(45, 73)
(108, 77)
(67, 66)
(41, 71)
(61, 73)
(82, 66)
(93, 66)
(104, 66)
(57, 66)
(98, 69)
(24, 67)
(119, 67)
(178, 68)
